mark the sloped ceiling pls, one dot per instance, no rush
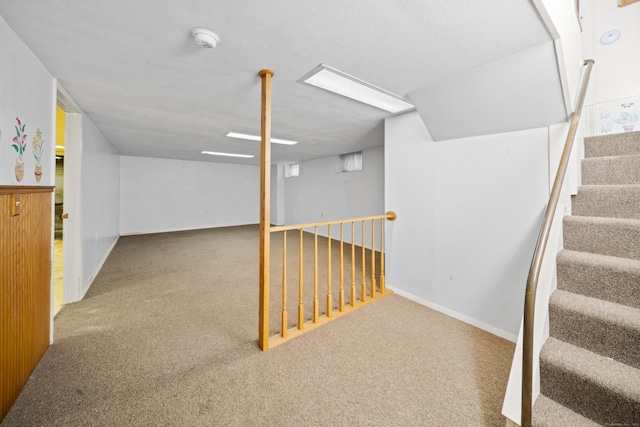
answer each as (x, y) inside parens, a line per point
(520, 91)
(134, 69)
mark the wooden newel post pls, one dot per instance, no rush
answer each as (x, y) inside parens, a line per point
(265, 207)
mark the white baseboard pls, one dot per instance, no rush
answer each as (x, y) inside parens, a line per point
(452, 313)
(97, 270)
(173, 230)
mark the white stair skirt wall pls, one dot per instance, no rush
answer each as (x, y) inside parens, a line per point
(546, 285)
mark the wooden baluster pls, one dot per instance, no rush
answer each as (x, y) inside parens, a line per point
(300, 287)
(315, 277)
(382, 287)
(285, 321)
(373, 259)
(363, 285)
(353, 265)
(329, 297)
(341, 303)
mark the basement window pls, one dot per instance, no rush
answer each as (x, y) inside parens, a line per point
(291, 170)
(351, 162)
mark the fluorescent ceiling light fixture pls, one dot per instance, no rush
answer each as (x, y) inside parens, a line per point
(336, 81)
(215, 153)
(258, 138)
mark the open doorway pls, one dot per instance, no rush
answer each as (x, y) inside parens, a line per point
(66, 284)
(58, 246)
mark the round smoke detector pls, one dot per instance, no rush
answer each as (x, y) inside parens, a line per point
(205, 38)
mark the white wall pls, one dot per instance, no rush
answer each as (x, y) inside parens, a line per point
(159, 195)
(617, 67)
(469, 212)
(100, 199)
(27, 92)
(323, 193)
(277, 195)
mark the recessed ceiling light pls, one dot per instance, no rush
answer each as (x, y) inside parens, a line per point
(610, 37)
(336, 81)
(215, 153)
(258, 138)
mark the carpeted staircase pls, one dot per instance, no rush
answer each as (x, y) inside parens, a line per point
(590, 366)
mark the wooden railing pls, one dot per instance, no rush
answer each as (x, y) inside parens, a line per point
(356, 265)
(343, 304)
(536, 264)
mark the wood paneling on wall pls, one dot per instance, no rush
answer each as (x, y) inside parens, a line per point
(25, 286)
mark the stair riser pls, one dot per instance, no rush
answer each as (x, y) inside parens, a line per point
(619, 342)
(586, 398)
(611, 170)
(600, 237)
(608, 283)
(547, 413)
(607, 201)
(623, 144)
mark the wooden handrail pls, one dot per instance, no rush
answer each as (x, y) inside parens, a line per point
(389, 215)
(536, 264)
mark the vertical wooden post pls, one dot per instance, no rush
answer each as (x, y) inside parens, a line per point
(382, 256)
(285, 321)
(329, 296)
(300, 288)
(265, 207)
(341, 301)
(373, 259)
(353, 265)
(315, 276)
(363, 284)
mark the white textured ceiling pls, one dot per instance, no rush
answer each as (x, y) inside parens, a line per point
(134, 69)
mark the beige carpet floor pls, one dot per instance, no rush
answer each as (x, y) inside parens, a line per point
(167, 336)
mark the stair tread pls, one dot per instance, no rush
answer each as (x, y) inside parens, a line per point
(617, 144)
(603, 235)
(609, 329)
(607, 373)
(612, 170)
(619, 201)
(600, 259)
(635, 156)
(549, 413)
(629, 222)
(606, 277)
(603, 187)
(600, 309)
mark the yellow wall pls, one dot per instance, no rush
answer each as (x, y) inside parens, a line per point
(60, 125)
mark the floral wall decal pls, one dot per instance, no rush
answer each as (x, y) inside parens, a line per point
(627, 120)
(617, 116)
(19, 145)
(38, 148)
